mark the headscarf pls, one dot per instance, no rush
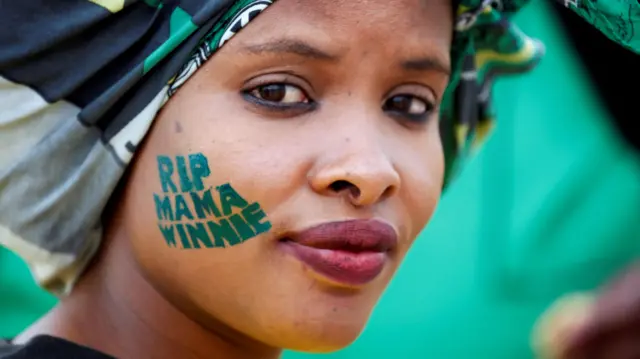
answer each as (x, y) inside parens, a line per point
(81, 82)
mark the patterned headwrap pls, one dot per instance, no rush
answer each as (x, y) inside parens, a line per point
(82, 80)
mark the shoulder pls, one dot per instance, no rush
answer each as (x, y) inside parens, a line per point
(48, 347)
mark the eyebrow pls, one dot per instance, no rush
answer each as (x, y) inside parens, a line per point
(426, 64)
(290, 46)
(300, 48)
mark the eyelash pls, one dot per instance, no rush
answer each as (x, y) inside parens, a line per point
(306, 103)
(285, 109)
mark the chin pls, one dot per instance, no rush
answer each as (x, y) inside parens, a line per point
(321, 317)
(324, 338)
(319, 328)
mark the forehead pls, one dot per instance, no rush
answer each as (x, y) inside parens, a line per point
(394, 13)
(403, 26)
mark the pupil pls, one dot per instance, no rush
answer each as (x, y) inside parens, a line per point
(273, 92)
(401, 103)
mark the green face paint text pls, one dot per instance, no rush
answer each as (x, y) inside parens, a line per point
(197, 217)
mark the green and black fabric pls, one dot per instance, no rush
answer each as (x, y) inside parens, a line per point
(487, 45)
(81, 82)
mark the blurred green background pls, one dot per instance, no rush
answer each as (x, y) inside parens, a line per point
(548, 206)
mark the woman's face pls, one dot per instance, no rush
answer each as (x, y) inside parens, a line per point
(281, 187)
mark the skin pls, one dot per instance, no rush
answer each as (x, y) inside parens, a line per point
(611, 328)
(142, 298)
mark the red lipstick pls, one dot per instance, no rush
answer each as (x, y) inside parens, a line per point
(350, 252)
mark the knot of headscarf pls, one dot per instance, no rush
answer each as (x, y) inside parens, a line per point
(82, 81)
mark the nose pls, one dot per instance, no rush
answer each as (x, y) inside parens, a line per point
(361, 173)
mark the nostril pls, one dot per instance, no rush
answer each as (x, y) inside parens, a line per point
(341, 185)
(388, 192)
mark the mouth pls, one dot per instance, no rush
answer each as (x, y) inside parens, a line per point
(351, 253)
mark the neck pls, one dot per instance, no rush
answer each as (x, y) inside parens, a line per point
(113, 309)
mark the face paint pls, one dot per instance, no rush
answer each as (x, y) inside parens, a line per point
(191, 216)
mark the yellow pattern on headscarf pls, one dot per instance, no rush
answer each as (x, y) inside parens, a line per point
(111, 5)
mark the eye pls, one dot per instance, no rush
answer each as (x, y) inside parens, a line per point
(408, 105)
(279, 93)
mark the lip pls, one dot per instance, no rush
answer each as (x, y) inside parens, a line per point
(352, 252)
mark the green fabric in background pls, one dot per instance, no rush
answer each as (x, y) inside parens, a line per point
(21, 301)
(549, 205)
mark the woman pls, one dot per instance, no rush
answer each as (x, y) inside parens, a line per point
(200, 257)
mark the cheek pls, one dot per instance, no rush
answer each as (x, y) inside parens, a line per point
(208, 177)
(181, 244)
(423, 174)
